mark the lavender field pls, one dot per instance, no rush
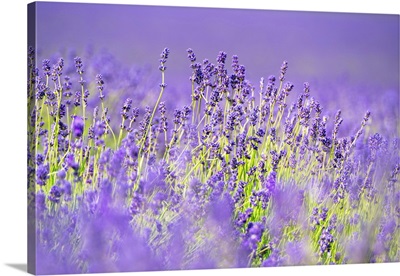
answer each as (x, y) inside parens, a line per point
(131, 168)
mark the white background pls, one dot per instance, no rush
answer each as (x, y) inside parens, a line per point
(13, 241)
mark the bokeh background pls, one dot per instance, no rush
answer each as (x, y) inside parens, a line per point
(349, 59)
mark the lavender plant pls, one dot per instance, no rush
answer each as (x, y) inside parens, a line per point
(241, 176)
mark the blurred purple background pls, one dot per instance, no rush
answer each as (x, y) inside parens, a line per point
(342, 55)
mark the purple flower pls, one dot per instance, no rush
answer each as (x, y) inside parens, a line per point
(57, 69)
(62, 111)
(41, 89)
(163, 120)
(243, 217)
(253, 235)
(324, 214)
(70, 161)
(46, 66)
(79, 65)
(191, 55)
(66, 189)
(77, 126)
(306, 91)
(67, 86)
(77, 98)
(136, 204)
(40, 201)
(55, 194)
(163, 60)
(241, 145)
(283, 70)
(86, 95)
(254, 116)
(40, 158)
(274, 259)
(235, 63)
(325, 241)
(116, 168)
(100, 81)
(296, 253)
(42, 174)
(272, 134)
(99, 128)
(260, 132)
(239, 194)
(126, 108)
(241, 73)
(100, 86)
(157, 201)
(355, 219)
(221, 58)
(61, 174)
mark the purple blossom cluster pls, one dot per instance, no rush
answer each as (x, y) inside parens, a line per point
(240, 176)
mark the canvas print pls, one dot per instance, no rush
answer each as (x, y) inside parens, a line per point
(177, 138)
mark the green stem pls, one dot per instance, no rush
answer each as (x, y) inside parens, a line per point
(148, 128)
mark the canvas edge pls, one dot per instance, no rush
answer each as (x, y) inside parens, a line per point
(31, 210)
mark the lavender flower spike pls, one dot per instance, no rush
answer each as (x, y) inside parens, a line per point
(77, 126)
